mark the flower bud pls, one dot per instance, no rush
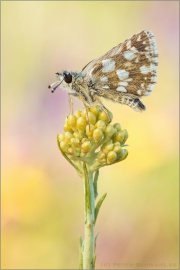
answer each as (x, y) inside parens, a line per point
(84, 140)
(75, 142)
(86, 146)
(81, 123)
(60, 137)
(78, 114)
(63, 145)
(101, 155)
(95, 110)
(89, 130)
(101, 124)
(125, 133)
(111, 157)
(89, 137)
(91, 118)
(67, 127)
(117, 148)
(84, 113)
(98, 135)
(110, 130)
(72, 120)
(118, 137)
(123, 154)
(117, 126)
(67, 136)
(78, 135)
(108, 147)
(104, 117)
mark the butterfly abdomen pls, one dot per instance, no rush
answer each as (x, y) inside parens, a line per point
(134, 103)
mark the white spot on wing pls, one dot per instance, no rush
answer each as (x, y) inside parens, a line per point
(144, 70)
(154, 79)
(104, 79)
(155, 59)
(150, 87)
(134, 49)
(122, 74)
(139, 92)
(147, 93)
(129, 55)
(108, 65)
(123, 83)
(121, 89)
(153, 67)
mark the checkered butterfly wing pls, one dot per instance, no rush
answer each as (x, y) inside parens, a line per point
(130, 67)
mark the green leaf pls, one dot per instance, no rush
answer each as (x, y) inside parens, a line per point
(95, 184)
(98, 205)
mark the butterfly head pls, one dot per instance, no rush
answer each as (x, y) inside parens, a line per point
(65, 78)
(65, 75)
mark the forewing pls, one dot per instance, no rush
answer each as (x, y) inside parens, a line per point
(130, 67)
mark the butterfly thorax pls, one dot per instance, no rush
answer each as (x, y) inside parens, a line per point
(78, 86)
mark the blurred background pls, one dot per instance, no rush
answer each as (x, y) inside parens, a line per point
(42, 197)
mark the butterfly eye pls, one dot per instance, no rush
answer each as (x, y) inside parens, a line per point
(67, 77)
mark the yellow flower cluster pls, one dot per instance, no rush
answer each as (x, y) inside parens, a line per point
(90, 138)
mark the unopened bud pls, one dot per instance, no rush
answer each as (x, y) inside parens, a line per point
(78, 135)
(104, 117)
(117, 126)
(117, 149)
(110, 130)
(81, 123)
(125, 135)
(75, 142)
(95, 110)
(67, 136)
(72, 120)
(89, 130)
(111, 157)
(101, 124)
(67, 127)
(63, 145)
(86, 146)
(98, 135)
(91, 118)
(60, 137)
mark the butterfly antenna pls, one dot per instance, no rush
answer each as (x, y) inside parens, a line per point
(54, 88)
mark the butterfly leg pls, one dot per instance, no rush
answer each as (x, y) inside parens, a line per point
(86, 108)
(104, 108)
(70, 104)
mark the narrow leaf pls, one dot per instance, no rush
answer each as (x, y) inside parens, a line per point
(98, 205)
(95, 183)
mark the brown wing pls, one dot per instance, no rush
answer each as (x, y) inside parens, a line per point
(129, 67)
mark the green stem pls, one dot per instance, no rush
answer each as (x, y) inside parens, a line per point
(88, 248)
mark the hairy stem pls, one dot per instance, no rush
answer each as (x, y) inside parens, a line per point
(88, 249)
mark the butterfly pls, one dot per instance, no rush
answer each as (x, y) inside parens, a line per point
(124, 74)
